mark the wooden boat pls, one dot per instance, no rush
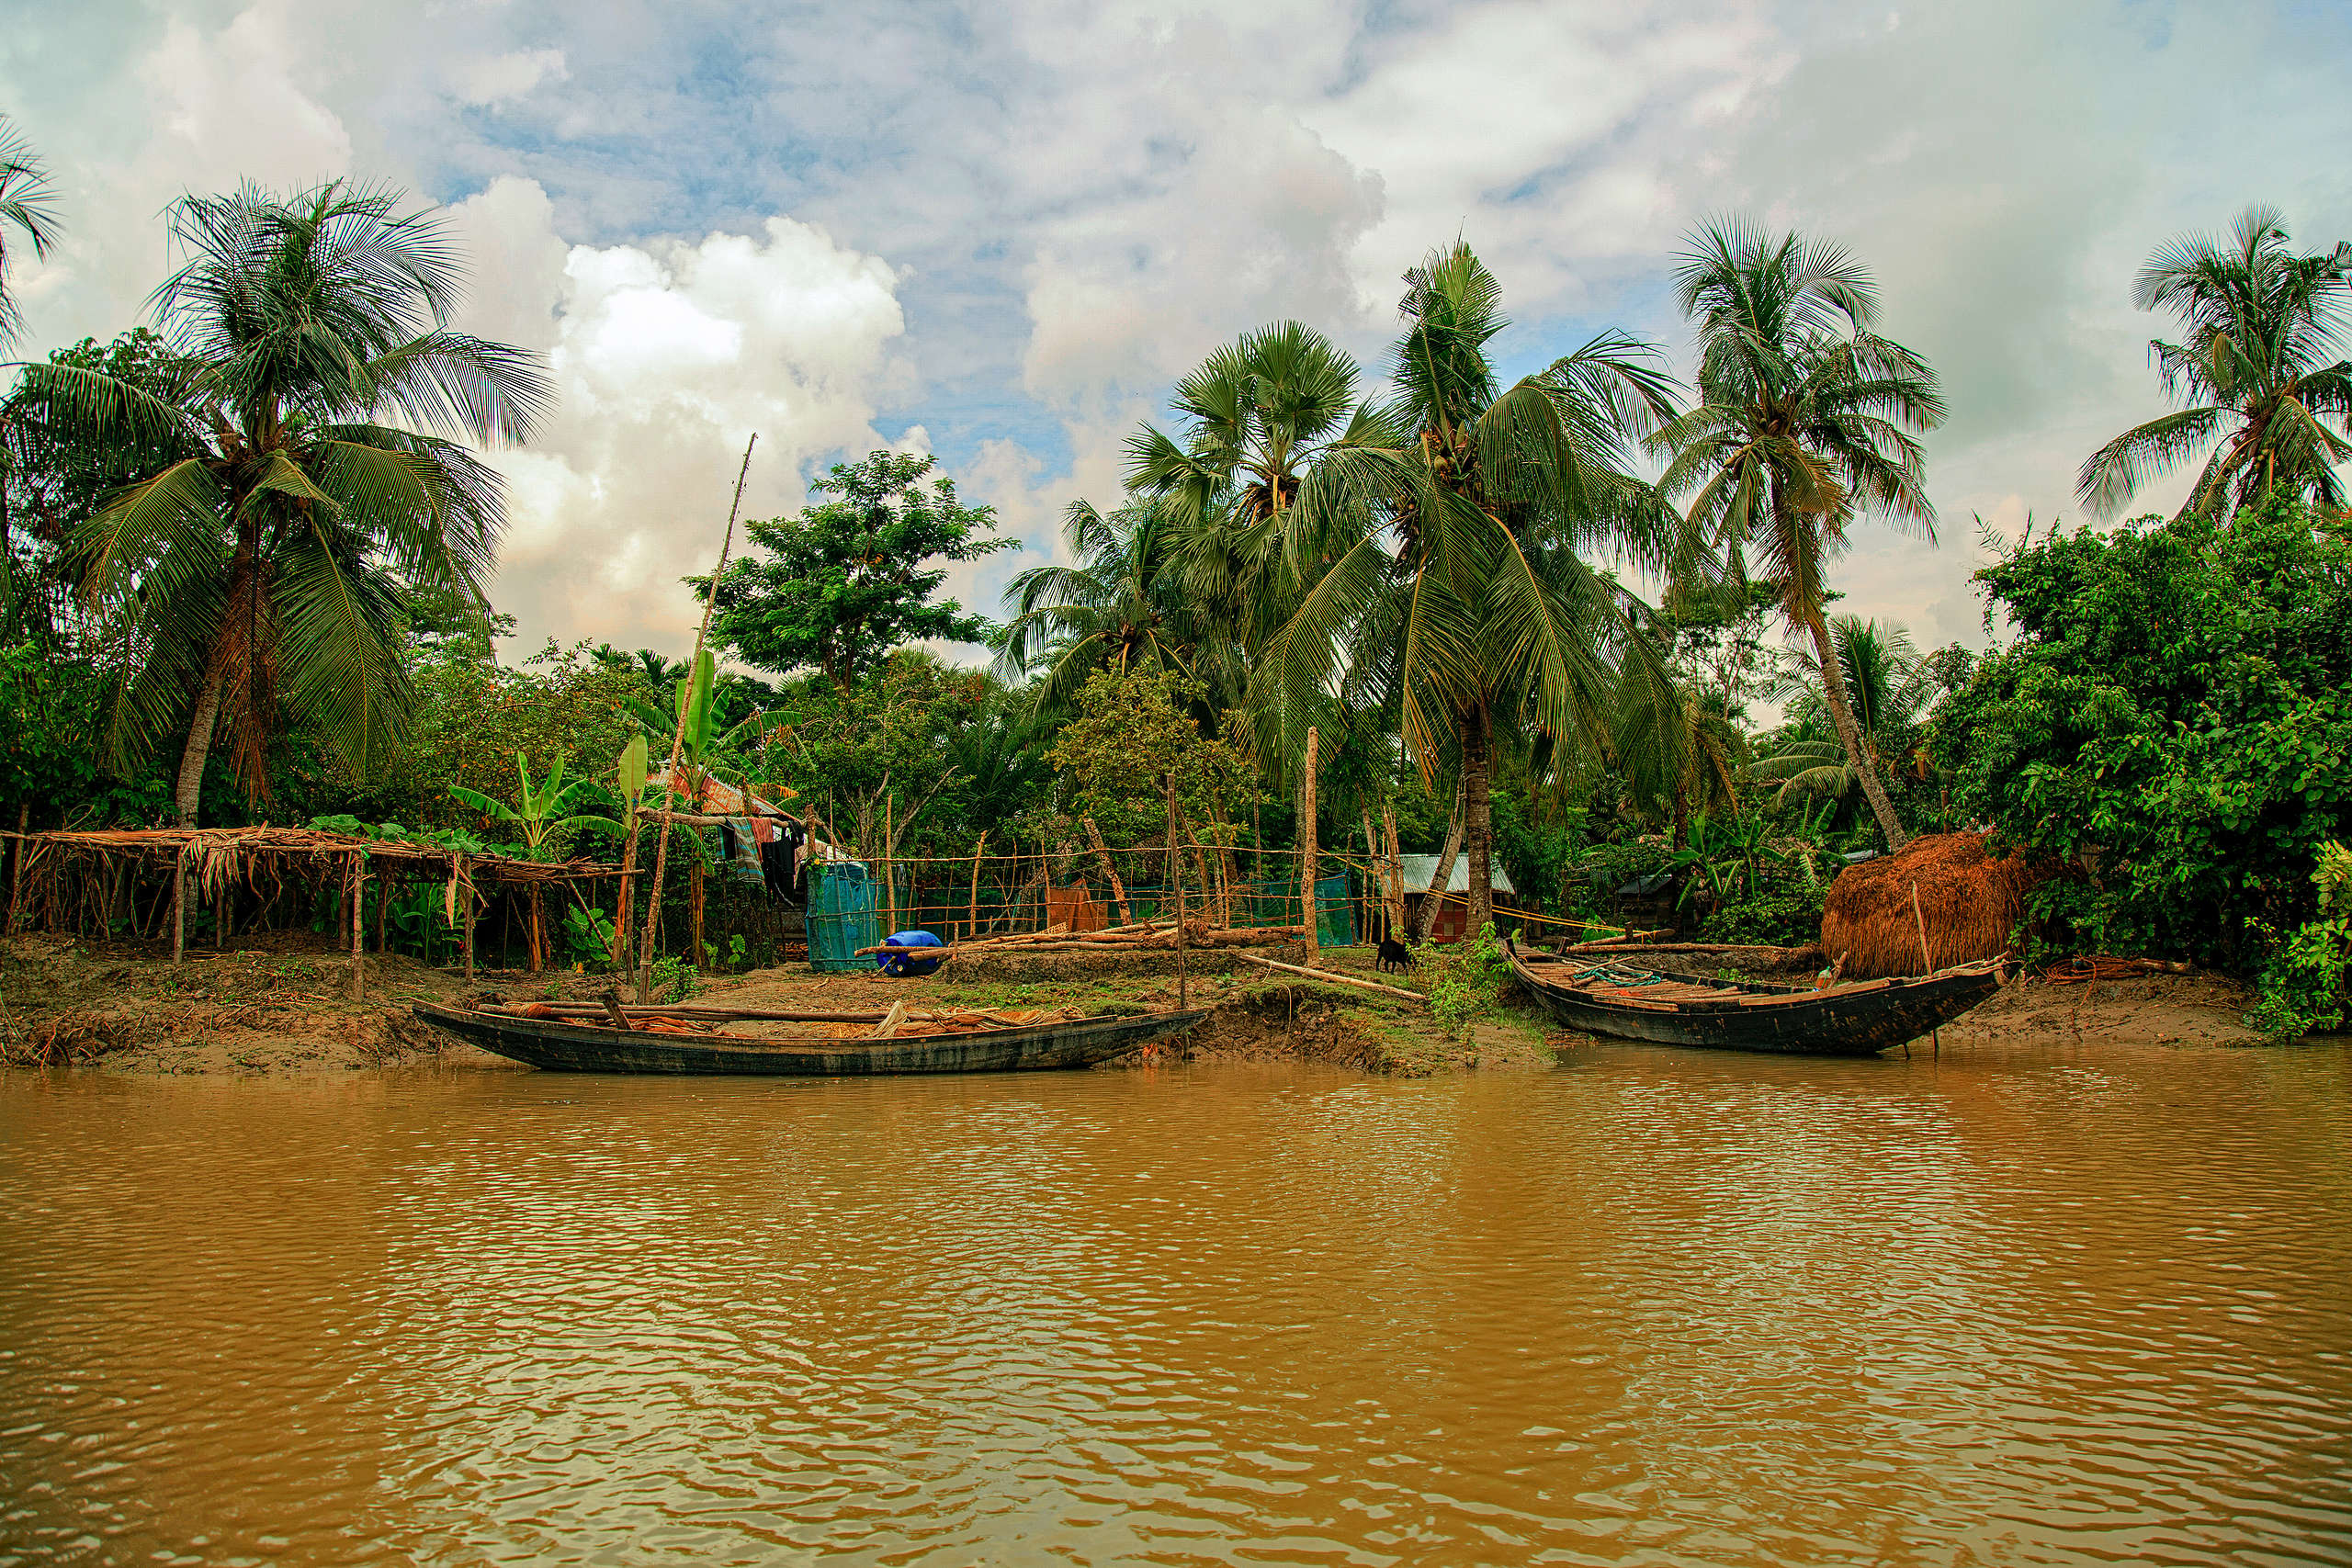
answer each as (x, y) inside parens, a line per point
(561, 1045)
(1587, 993)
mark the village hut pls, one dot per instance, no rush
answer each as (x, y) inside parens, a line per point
(1969, 903)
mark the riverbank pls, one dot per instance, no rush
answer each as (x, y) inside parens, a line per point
(276, 1012)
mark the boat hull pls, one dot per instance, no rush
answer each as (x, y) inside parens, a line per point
(1853, 1020)
(588, 1048)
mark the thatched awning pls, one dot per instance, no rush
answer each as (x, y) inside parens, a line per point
(211, 846)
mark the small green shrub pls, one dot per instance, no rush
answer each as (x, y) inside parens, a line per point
(1784, 912)
(1466, 979)
(2302, 989)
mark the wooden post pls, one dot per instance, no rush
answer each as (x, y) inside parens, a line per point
(678, 740)
(464, 892)
(532, 895)
(1372, 869)
(694, 897)
(889, 880)
(359, 931)
(1306, 843)
(383, 907)
(179, 905)
(1927, 954)
(1103, 853)
(972, 914)
(628, 897)
(1176, 880)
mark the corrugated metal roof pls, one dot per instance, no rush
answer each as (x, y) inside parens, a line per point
(1418, 869)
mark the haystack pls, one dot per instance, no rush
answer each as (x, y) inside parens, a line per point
(1970, 901)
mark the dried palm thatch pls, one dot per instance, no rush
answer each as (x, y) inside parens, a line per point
(1969, 904)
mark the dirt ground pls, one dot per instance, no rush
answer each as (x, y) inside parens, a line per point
(290, 1012)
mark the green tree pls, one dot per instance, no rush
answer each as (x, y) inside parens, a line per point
(262, 570)
(1453, 516)
(1892, 686)
(1116, 607)
(2171, 725)
(27, 205)
(849, 579)
(1133, 731)
(2261, 370)
(1803, 424)
(1252, 420)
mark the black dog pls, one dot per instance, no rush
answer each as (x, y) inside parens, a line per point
(1394, 952)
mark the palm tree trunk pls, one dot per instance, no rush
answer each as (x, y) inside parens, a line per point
(1478, 815)
(199, 746)
(1850, 735)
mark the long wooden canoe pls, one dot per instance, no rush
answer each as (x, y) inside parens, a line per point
(562, 1047)
(1858, 1019)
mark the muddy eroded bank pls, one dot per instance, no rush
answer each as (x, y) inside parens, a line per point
(293, 1011)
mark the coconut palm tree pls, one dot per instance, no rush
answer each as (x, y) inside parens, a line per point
(1804, 423)
(1453, 516)
(1251, 419)
(26, 205)
(1890, 686)
(317, 476)
(1116, 607)
(2260, 371)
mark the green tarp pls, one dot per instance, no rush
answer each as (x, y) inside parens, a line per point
(844, 916)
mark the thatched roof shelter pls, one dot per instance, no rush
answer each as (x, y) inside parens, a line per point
(1970, 903)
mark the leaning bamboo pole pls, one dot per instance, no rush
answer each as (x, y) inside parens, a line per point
(1307, 843)
(1102, 854)
(1443, 878)
(1392, 880)
(678, 740)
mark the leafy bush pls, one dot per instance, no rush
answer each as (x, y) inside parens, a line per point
(2171, 723)
(2302, 989)
(1784, 911)
(1604, 868)
(1466, 979)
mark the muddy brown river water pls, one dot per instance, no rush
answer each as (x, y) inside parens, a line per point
(2080, 1305)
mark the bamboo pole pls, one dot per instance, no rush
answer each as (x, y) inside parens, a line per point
(1335, 980)
(1103, 853)
(1306, 843)
(1393, 879)
(1372, 868)
(1176, 880)
(695, 895)
(972, 914)
(466, 908)
(627, 897)
(358, 929)
(678, 737)
(890, 878)
(1443, 875)
(1927, 954)
(179, 903)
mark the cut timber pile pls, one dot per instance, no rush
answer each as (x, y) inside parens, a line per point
(1150, 936)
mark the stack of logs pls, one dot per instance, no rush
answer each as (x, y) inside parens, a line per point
(1144, 937)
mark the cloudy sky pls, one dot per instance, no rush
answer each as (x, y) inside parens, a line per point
(997, 231)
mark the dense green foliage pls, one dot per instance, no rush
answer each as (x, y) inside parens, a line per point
(837, 588)
(2173, 725)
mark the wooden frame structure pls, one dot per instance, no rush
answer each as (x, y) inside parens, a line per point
(63, 874)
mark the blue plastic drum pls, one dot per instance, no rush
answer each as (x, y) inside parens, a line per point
(905, 964)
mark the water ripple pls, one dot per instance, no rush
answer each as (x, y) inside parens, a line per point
(1659, 1308)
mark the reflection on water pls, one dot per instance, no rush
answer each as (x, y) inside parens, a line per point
(1655, 1307)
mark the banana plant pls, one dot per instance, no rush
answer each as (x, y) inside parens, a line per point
(541, 810)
